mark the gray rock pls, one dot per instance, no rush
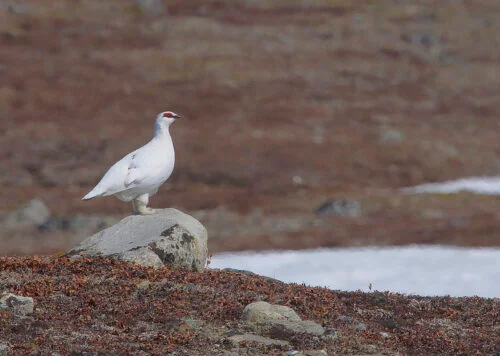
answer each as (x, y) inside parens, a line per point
(14, 7)
(390, 136)
(369, 349)
(330, 334)
(235, 340)
(144, 256)
(358, 325)
(425, 39)
(385, 335)
(18, 304)
(258, 312)
(150, 7)
(447, 149)
(278, 321)
(193, 323)
(168, 237)
(309, 353)
(4, 348)
(143, 285)
(286, 328)
(35, 211)
(341, 207)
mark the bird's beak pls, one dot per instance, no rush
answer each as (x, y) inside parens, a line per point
(177, 116)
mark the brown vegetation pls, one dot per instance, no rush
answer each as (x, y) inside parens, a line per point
(352, 98)
(111, 307)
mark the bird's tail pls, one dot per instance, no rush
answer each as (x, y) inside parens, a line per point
(92, 194)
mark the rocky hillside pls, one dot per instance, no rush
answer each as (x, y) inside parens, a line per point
(285, 105)
(107, 306)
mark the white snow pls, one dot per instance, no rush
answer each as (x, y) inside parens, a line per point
(421, 270)
(479, 185)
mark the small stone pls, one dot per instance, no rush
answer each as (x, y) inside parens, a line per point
(4, 348)
(356, 323)
(18, 304)
(369, 349)
(307, 353)
(150, 7)
(433, 214)
(330, 334)
(425, 39)
(143, 285)
(236, 340)
(192, 323)
(315, 353)
(298, 180)
(389, 136)
(75, 258)
(385, 335)
(262, 311)
(447, 149)
(359, 325)
(341, 207)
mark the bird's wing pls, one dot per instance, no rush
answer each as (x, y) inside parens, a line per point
(135, 173)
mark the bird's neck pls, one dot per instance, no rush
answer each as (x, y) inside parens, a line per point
(161, 131)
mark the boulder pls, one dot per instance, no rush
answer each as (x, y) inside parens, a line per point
(167, 238)
(278, 321)
(33, 213)
(285, 329)
(18, 304)
(259, 312)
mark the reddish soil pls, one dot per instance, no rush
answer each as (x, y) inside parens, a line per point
(352, 98)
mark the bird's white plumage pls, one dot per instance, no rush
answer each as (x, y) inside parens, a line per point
(142, 171)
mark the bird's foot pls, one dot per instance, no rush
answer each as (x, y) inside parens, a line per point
(145, 211)
(141, 208)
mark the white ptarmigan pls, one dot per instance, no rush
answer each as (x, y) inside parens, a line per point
(138, 175)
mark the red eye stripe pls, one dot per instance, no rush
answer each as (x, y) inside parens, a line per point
(168, 114)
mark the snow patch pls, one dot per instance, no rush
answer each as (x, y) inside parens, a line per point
(478, 185)
(421, 270)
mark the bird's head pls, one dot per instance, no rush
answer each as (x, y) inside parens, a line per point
(167, 117)
(164, 120)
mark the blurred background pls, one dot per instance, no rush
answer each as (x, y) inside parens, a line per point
(301, 119)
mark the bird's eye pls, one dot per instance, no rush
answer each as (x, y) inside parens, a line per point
(168, 114)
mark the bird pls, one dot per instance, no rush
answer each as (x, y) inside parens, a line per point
(138, 175)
